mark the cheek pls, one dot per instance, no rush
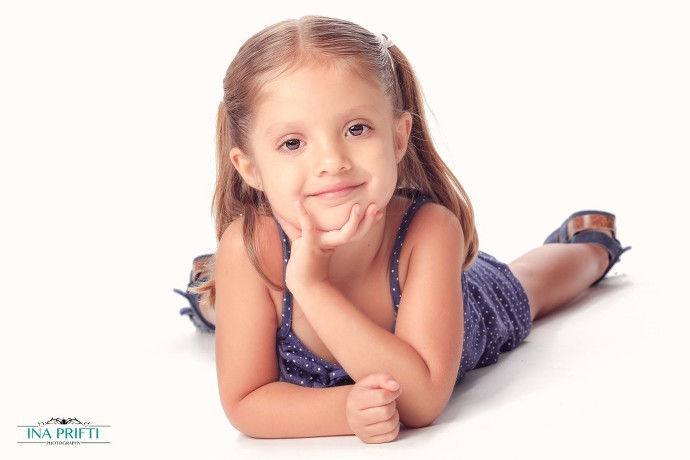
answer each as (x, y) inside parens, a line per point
(277, 178)
(385, 174)
(282, 203)
(281, 186)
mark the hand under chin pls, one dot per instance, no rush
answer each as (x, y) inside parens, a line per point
(331, 218)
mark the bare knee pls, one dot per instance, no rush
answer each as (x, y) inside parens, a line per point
(530, 281)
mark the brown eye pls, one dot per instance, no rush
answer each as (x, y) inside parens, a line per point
(292, 144)
(358, 129)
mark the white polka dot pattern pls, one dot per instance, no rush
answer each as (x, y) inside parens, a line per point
(496, 316)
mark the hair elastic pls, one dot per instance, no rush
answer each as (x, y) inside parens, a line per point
(387, 42)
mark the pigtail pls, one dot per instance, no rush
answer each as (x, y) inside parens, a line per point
(224, 206)
(422, 167)
(203, 280)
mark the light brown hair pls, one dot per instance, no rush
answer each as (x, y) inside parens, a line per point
(284, 46)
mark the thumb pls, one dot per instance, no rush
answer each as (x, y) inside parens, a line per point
(381, 380)
(391, 385)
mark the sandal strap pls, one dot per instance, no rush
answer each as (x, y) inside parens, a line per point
(194, 312)
(611, 244)
(590, 227)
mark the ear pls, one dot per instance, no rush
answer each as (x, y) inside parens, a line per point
(403, 127)
(246, 168)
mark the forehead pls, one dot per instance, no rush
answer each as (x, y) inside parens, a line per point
(319, 86)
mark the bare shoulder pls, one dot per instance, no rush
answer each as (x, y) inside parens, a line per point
(231, 242)
(435, 224)
(232, 255)
(434, 241)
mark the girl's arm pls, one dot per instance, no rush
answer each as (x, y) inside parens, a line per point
(253, 399)
(424, 353)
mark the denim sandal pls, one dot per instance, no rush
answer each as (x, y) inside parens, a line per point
(587, 227)
(193, 310)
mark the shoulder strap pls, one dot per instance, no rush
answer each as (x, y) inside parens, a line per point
(394, 280)
(286, 317)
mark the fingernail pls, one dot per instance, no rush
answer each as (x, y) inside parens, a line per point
(357, 209)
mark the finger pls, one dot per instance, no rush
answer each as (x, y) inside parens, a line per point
(379, 397)
(305, 222)
(374, 415)
(391, 385)
(385, 431)
(379, 380)
(344, 233)
(384, 437)
(371, 216)
(340, 236)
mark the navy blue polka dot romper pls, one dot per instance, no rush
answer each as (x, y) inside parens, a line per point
(496, 317)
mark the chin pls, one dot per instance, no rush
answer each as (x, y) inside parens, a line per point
(331, 218)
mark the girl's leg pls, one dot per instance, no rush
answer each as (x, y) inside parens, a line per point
(554, 274)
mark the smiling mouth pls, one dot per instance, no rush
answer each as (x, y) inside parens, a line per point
(336, 192)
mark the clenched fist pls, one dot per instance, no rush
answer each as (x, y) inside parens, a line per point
(371, 408)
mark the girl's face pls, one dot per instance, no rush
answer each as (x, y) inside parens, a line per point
(327, 137)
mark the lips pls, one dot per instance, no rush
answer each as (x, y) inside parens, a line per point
(334, 191)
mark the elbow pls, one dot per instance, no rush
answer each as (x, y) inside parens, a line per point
(244, 426)
(419, 420)
(420, 412)
(247, 419)
(421, 416)
(234, 414)
(249, 431)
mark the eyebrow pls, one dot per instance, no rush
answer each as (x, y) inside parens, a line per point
(294, 126)
(288, 126)
(362, 107)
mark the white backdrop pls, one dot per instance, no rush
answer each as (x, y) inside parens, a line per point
(107, 113)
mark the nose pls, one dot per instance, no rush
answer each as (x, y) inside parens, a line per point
(330, 158)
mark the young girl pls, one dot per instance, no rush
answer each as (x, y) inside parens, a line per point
(347, 293)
